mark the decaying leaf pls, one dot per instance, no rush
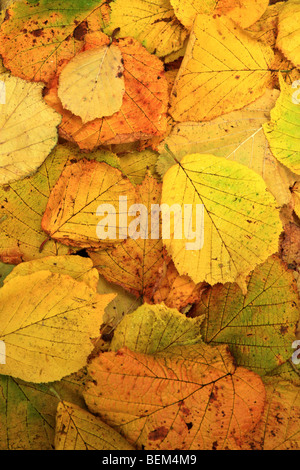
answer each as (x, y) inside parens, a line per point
(23, 204)
(265, 29)
(47, 323)
(27, 412)
(37, 37)
(223, 70)
(92, 84)
(143, 111)
(77, 429)
(187, 398)
(241, 223)
(259, 327)
(28, 129)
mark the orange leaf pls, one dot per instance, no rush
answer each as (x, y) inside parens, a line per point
(143, 112)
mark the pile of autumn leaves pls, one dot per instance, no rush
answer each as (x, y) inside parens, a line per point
(175, 102)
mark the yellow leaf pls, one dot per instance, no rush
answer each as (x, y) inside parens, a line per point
(186, 398)
(288, 39)
(24, 202)
(71, 213)
(241, 223)
(77, 429)
(47, 322)
(243, 13)
(223, 69)
(135, 165)
(120, 306)
(92, 84)
(27, 411)
(153, 23)
(27, 129)
(80, 269)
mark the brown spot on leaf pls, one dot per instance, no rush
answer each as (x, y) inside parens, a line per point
(159, 433)
(37, 32)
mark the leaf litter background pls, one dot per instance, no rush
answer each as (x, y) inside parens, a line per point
(141, 344)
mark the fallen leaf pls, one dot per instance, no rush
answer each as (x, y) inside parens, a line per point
(237, 136)
(71, 215)
(92, 83)
(155, 328)
(283, 131)
(135, 165)
(28, 129)
(135, 263)
(288, 39)
(186, 398)
(153, 23)
(266, 28)
(143, 112)
(77, 429)
(241, 223)
(23, 204)
(259, 327)
(47, 323)
(224, 69)
(37, 37)
(279, 427)
(243, 13)
(290, 246)
(80, 269)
